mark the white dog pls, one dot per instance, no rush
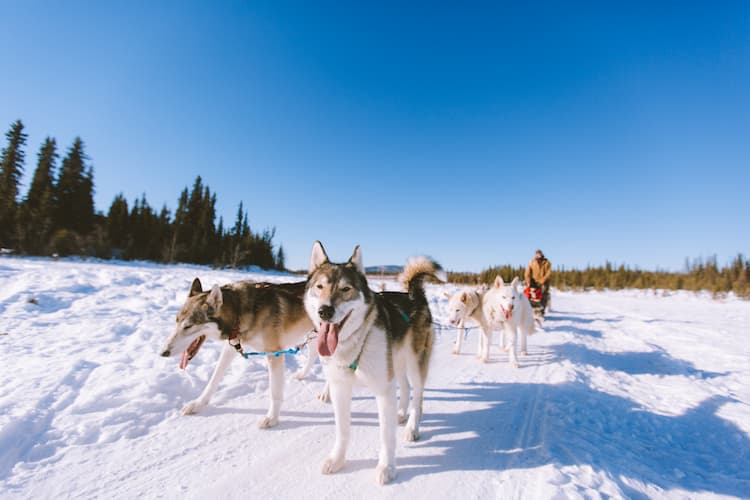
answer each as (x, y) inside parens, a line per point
(508, 308)
(467, 305)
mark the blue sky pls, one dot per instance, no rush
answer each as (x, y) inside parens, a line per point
(474, 133)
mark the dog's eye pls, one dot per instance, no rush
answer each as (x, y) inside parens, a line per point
(345, 288)
(319, 286)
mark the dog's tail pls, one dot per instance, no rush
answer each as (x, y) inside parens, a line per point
(416, 270)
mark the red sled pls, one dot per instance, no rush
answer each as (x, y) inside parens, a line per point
(533, 294)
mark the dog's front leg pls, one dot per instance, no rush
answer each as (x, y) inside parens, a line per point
(385, 471)
(461, 331)
(227, 356)
(511, 334)
(341, 398)
(276, 383)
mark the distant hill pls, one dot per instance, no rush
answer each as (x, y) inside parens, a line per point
(383, 269)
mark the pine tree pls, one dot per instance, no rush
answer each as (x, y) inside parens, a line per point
(118, 224)
(75, 191)
(280, 259)
(38, 207)
(11, 169)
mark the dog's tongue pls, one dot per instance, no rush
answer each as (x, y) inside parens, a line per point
(184, 360)
(328, 338)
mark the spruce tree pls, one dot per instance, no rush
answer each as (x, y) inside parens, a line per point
(280, 259)
(75, 191)
(11, 169)
(38, 207)
(118, 224)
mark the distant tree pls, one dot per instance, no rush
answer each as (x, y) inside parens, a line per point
(11, 169)
(118, 224)
(37, 211)
(280, 259)
(75, 191)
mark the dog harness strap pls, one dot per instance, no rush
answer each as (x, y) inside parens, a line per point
(233, 335)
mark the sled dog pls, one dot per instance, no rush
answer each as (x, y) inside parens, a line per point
(265, 317)
(508, 308)
(376, 339)
(467, 305)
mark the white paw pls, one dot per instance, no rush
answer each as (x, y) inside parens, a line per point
(484, 359)
(325, 396)
(384, 474)
(514, 364)
(524, 353)
(193, 407)
(300, 374)
(332, 465)
(456, 351)
(411, 434)
(267, 422)
(401, 417)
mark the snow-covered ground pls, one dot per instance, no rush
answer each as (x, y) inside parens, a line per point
(627, 394)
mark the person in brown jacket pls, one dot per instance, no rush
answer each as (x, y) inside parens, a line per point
(538, 273)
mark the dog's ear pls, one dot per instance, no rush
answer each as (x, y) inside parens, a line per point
(195, 288)
(318, 256)
(215, 299)
(499, 282)
(464, 297)
(356, 260)
(514, 283)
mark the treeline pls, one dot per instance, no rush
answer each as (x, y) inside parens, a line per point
(700, 274)
(57, 216)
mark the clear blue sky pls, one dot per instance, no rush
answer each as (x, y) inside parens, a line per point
(474, 132)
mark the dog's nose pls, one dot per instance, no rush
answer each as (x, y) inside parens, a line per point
(166, 353)
(325, 312)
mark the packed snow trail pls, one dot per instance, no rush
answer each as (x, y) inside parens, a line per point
(627, 394)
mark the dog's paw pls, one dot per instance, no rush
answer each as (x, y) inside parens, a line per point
(332, 465)
(384, 474)
(514, 364)
(524, 353)
(267, 422)
(325, 396)
(193, 407)
(411, 434)
(484, 359)
(300, 374)
(402, 416)
(456, 350)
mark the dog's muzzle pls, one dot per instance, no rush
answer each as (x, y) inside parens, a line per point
(166, 353)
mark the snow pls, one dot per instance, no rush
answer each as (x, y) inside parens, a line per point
(625, 394)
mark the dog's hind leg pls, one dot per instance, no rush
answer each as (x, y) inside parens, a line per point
(312, 355)
(227, 356)
(523, 332)
(411, 432)
(276, 382)
(341, 397)
(385, 471)
(403, 396)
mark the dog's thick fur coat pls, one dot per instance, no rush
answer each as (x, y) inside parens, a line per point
(265, 317)
(376, 339)
(507, 307)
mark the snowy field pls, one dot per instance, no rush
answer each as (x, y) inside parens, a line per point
(624, 394)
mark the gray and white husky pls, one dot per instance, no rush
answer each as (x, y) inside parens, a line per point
(265, 317)
(375, 339)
